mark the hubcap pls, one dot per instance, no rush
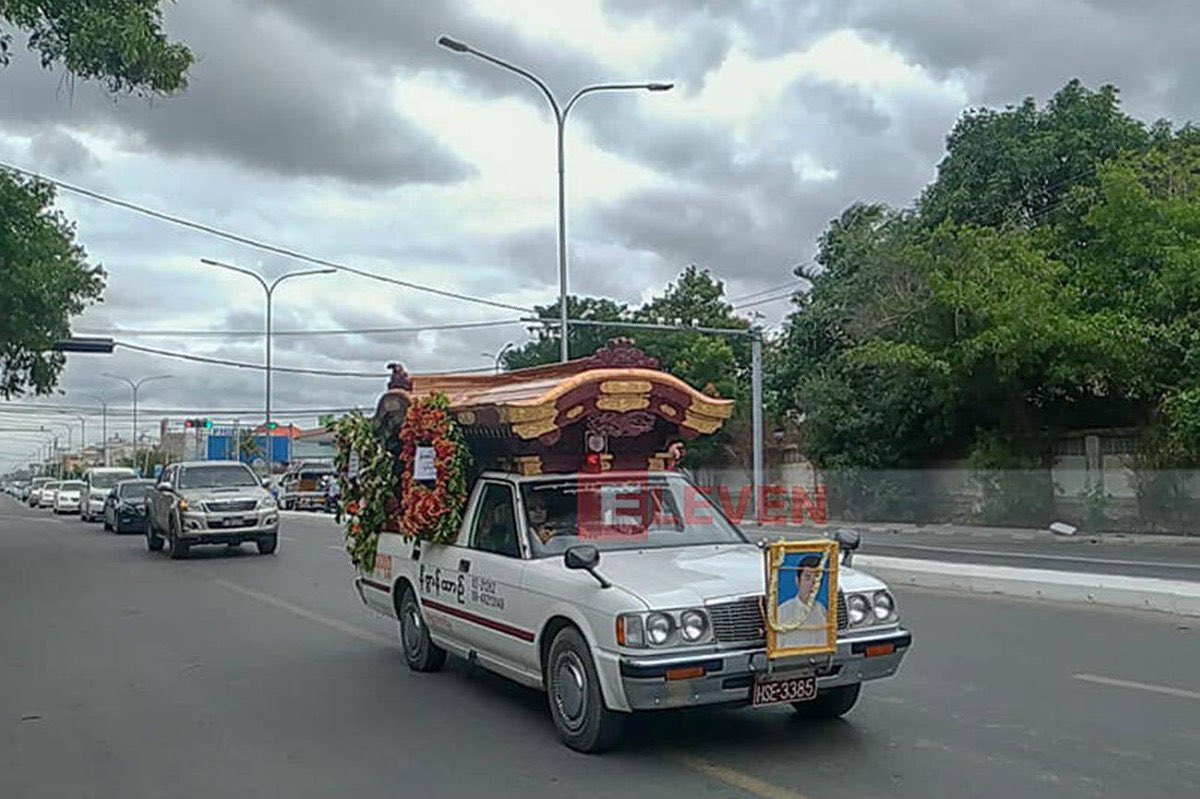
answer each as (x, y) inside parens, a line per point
(570, 690)
(410, 629)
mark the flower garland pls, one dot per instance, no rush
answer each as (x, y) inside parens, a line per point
(365, 497)
(433, 513)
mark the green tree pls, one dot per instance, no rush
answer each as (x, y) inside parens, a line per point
(44, 280)
(118, 42)
(45, 277)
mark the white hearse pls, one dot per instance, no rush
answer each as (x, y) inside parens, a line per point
(643, 617)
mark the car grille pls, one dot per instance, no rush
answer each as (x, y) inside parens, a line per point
(231, 505)
(742, 620)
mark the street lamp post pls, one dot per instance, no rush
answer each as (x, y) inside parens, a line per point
(560, 119)
(499, 354)
(269, 289)
(134, 385)
(103, 427)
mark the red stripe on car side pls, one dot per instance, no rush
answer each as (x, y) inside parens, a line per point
(483, 621)
(384, 587)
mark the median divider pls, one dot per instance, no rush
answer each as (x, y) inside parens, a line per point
(1112, 590)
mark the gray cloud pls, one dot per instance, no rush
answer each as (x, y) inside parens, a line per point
(264, 92)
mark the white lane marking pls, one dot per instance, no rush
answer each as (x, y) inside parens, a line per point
(1034, 556)
(336, 549)
(305, 613)
(286, 537)
(737, 779)
(1166, 690)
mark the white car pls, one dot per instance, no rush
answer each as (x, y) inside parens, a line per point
(98, 483)
(48, 494)
(66, 500)
(666, 616)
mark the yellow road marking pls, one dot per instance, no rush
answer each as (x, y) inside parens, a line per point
(305, 613)
(738, 779)
(1140, 686)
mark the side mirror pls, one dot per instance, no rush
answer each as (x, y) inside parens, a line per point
(582, 556)
(163, 486)
(848, 541)
(587, 558)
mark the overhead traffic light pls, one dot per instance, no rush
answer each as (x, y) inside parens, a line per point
(197, 423)
(272, 426)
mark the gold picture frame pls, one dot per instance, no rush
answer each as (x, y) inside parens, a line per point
(801, 615)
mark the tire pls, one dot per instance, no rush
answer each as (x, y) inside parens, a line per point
(267, 544)
(576, 703)
(831, 703)
(420, 652)
(179, 550)
(154, 541)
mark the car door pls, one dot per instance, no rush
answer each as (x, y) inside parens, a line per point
(494, 562)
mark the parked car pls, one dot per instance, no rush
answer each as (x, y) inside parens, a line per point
(98, 483)
(34, 498)
(66, 500)
(210, 502)
(125, 506)
(49, 494)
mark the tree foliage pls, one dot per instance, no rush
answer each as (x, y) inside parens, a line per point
(45, 277)
(44, 281)
(118, 42)
(1048, 279)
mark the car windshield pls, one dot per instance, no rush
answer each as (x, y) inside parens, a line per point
(50, 487)
(71, 485)
(133, 491)
(650, 511)
(229, 476)
(109, 479)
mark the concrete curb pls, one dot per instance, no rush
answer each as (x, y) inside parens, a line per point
(1113, 590)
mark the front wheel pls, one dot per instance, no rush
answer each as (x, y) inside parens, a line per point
(179, 550)
(267, 544)
(154, 541)
(576, 704)
(831, 703)
(420, 652)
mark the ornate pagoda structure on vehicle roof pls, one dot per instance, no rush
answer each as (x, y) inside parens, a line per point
(614, 410)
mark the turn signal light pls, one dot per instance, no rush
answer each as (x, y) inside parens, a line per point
(591, 463)
(685, 673)
(880, 649)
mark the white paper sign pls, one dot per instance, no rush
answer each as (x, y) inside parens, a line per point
(425, 464)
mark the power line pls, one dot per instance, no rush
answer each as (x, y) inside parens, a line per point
(184, 356)
(765, 300)
(260, 245)
(753, 294)
(171, 333)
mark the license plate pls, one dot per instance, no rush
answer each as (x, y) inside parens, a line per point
(793, 689)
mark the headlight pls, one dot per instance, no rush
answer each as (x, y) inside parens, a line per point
(858, 608)
(658, 628)
(693, 625)
(267, 502)
(885, 606)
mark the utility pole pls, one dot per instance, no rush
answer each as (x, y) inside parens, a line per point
(134, 385)
(103, 428)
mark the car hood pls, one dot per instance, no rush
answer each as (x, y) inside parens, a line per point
(686, 576)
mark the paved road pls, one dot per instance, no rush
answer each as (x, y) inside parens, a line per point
(125, 674)
(1162, 556)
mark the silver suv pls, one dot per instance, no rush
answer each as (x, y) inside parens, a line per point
(210, 502)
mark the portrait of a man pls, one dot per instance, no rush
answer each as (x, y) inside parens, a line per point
(802, 613)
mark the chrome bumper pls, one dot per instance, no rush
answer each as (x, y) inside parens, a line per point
(200, 526)
(728, 676)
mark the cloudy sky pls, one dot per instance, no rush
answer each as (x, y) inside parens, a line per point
(342, 131)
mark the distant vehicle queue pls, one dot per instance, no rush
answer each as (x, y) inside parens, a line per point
(193, 503)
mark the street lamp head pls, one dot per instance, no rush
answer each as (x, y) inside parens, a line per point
(660, 87)
(453, 44)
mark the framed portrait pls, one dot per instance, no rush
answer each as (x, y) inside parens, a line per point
(801, 605)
